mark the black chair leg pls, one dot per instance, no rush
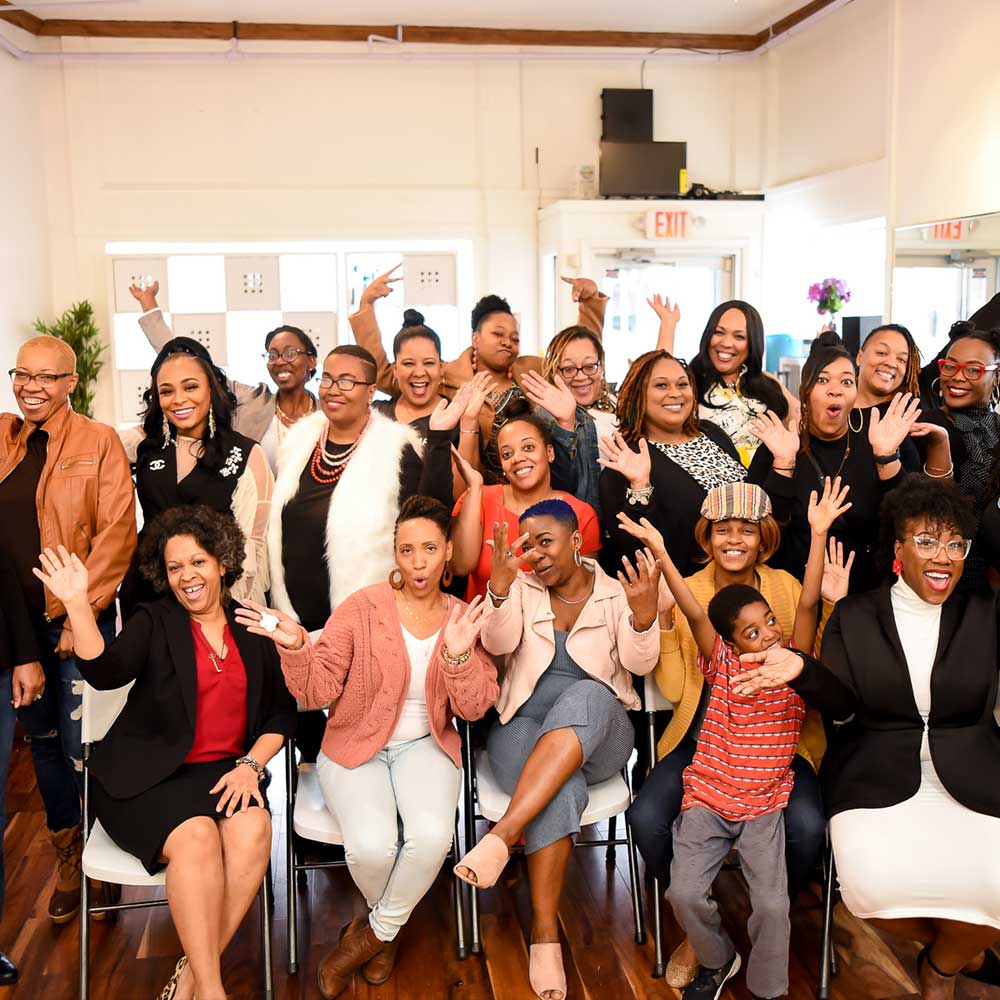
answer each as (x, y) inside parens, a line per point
(659, 964)
(612, 836)
(266, 905)
(290, 887)
(633, 874)
(461, 949)
(468, 776)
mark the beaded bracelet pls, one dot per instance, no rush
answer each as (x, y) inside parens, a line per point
(638, 496)
(454, 661)
(496, 598)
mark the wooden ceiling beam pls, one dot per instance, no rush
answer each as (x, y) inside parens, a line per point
(785, 24)
(21, 18)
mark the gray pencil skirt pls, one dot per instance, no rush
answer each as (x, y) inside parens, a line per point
(606, 736)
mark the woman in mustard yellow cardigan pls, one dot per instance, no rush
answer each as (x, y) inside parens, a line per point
(738, 534)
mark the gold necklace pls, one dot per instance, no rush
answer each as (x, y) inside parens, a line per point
(419, 618)
(286, 419)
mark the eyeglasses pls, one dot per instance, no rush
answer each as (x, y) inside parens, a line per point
(344, 384)
(973, 370)
(570, 372)
(288, 354)
(44, 379)
(930, 548)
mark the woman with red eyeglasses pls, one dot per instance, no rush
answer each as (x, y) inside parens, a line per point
(968, 387)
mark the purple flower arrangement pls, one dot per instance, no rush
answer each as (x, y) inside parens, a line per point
(830, 294)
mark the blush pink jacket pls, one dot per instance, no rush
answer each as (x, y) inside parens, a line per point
(359, 668)
(602, 641)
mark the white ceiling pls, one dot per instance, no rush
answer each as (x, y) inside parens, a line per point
(715, 16)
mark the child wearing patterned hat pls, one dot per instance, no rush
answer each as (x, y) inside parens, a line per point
(740, 778)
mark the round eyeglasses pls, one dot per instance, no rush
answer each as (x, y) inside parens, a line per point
(570, 372)
(288, 354)
(929, 548)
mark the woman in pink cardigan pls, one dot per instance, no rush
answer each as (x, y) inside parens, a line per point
(573, 638)
(396, 662)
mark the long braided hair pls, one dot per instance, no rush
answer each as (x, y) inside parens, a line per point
(632, 397)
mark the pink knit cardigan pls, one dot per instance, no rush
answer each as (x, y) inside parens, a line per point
(360, 669)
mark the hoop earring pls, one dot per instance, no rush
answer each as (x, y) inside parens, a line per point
(936, 388)
(447, 576)
(577, 558)
(211, 423)
(396, 580)
(850, 426)
(166, 431)
(995, 394)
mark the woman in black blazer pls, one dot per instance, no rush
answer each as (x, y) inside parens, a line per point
(177, 776)
(913, 782)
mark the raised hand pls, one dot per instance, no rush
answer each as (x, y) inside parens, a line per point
(504, 563)
(483, 384)
(660, 304)
(583, 288)
(469, 473)
(645, 531)
(778, 666)
(463, 626)
(448, 413)
(887, 433)
(836, 573)
(642, 589)
(146, 297)
(380, 287)
(64, 575)
(634, 466)
(823, 511)
(781, 442)
(284, 631)
(557, 398)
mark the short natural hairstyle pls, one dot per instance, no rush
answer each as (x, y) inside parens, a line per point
(363, 355)
(487, 306)
(67, 356)
(558, 344)
(303, 338)
(218, 534)
(940, 503)
(414, 328)
(632, 396)
(555, 508)
(424, 508)
(725, 607)
(965, 329)
(770, 537)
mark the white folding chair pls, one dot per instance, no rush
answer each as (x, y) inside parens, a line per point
(307, 816)
(485, 799)
(105, 861)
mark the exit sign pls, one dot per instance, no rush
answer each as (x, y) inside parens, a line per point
(667, 224)
(947, 231)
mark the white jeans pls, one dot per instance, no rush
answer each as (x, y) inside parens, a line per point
(415, 781)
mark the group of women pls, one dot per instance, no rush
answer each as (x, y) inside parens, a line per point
(379, 559)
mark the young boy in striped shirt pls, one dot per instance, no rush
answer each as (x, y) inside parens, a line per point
(738, 784)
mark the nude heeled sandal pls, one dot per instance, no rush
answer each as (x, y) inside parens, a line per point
(483, 865)
(546, 972)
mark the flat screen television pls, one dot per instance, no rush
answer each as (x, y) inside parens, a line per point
(642, 169)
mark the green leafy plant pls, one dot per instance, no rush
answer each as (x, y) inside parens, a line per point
(76, 327)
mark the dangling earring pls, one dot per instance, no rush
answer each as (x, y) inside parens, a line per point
(166, 431)
(936, 388)
(396, 580)
(577, 558)
(897, 566)
(447, 576)
(995, 395)
(475, 360)
(211, 423)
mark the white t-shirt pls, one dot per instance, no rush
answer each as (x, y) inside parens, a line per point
(414, 722)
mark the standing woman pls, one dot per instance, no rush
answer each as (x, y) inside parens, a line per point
(663, 459)
(261, 414)
(888, 363)
(526, 455)
(573, 637)
(914, 823)
(391, 750)
(190, 454)
(835, 439)
(344, 473)
(177, 777)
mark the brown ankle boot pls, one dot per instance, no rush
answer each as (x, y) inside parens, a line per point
(105, 894)
(357, 945)
(64, 904)
(377, 970)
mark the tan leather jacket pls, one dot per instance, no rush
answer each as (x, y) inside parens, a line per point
(85, 498)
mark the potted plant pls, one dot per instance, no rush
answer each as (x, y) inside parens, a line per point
(76, 327)
(830, 295)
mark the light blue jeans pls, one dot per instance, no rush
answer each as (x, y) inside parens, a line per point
(415, 782)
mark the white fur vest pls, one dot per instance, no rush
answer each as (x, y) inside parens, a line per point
(363, 506)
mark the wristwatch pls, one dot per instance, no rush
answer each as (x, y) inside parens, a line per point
(250, 762)
(887, 459)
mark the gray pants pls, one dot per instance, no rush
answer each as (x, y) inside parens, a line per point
(701, 842)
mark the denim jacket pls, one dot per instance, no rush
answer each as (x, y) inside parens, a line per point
(575, 469)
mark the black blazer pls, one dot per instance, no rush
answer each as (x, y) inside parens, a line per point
(876, 762)
(154, 732)
(17, 637)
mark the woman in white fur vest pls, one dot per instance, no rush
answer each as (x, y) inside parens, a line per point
(344, 472)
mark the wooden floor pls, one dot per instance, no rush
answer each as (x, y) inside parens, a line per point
(133, 957)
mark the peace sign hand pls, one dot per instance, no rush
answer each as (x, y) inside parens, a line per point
(504, 563)
(380, 287)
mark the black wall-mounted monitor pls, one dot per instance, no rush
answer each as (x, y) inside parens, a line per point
(642, 169)
(626, 115)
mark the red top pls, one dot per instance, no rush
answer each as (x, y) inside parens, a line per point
(742, 767)
(220, 723)
(493, 511)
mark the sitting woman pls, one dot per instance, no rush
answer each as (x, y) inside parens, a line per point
(914, 827)
(572, 637)
(177, 777)
(391, 750)
(526, 456)
(738, 534)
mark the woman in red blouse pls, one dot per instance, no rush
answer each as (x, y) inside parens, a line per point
(177, 777)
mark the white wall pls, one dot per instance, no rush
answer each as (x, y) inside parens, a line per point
(25, 275)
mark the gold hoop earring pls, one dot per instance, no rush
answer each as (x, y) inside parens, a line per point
(396, 580)
(851, 427)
